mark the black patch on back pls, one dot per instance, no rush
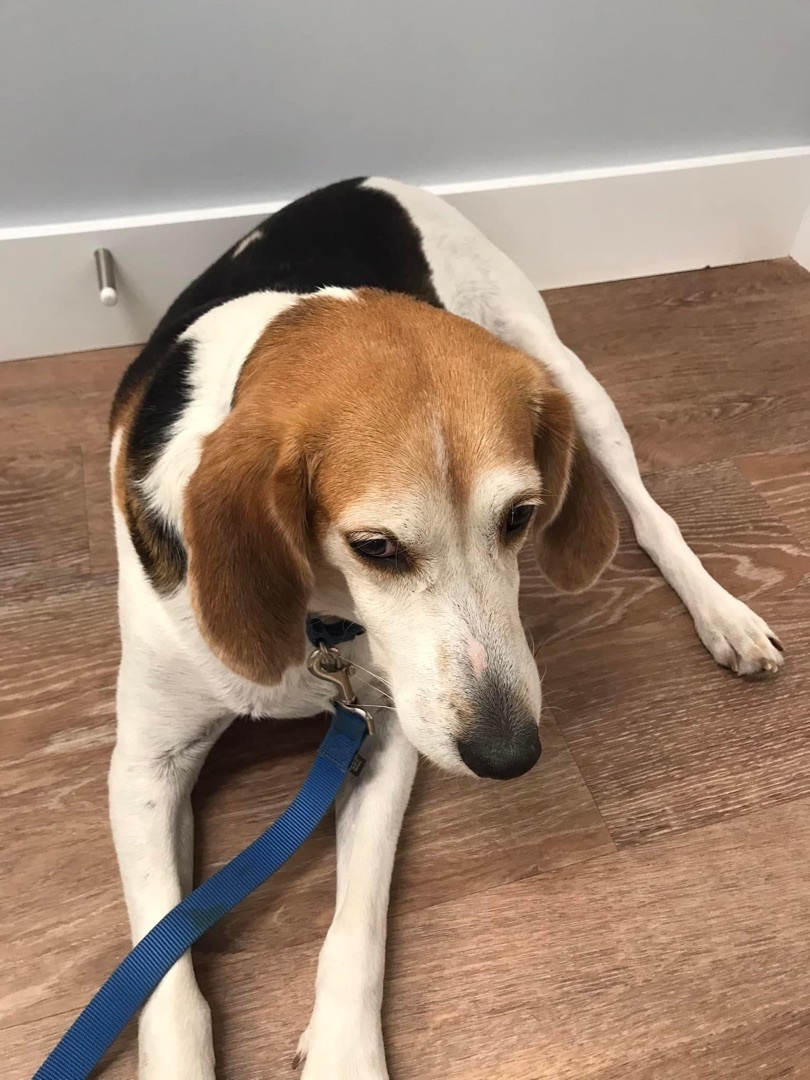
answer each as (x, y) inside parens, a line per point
(166, 396)
(157, 353)
(156, 540)
(343, 235)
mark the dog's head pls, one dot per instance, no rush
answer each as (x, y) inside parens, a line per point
(393, 455)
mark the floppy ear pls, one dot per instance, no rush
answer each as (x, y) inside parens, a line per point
(244, 524)
(576, 528)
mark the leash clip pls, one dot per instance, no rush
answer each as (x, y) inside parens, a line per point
(326, 663)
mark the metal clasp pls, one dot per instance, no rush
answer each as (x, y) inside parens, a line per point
(329, 665)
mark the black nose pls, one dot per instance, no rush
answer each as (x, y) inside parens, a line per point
(501, 758)
(503, 741)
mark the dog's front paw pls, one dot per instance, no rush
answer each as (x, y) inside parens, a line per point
(739, 639)
(342, 1049)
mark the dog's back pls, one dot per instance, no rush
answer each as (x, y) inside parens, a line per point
(347, 235)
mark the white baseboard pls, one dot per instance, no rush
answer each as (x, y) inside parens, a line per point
(800, 250)
(563, 229)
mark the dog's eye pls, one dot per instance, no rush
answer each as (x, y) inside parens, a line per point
(517, 519)
(376, 548)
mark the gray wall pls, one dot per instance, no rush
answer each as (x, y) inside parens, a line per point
(141, 105)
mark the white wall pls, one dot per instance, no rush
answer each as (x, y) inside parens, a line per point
(151, 105)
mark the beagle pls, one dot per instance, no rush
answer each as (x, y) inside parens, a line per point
(361, 410)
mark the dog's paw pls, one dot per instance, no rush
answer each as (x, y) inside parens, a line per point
(341, 1050)
(739, 639)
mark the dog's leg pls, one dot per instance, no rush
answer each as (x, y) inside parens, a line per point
(165, 729)
(344, 1037)
(735, 636)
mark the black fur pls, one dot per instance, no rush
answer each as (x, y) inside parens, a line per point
(166, 395)
(344, 235)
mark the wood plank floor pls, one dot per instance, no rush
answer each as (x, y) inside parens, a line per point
(636, 908)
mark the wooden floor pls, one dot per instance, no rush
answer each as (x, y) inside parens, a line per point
(636, 907)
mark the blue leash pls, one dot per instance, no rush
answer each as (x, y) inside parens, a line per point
(104, 1018)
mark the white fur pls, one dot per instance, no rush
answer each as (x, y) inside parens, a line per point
(246, 241)
(175, 697)
(344, 1036)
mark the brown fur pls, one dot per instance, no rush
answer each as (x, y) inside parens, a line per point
(159, 553)
(245, 528)
(341, 397)
(576, 529)
(364, 384)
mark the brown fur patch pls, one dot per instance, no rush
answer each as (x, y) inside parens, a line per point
(576, 528)
(340, 398)
(369, 384)
(245, 527)
(158, 549)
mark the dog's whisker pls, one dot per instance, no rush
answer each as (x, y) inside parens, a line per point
(371, 674)
(370, 678)
(379, 691)
(385, 698)
(537, 649)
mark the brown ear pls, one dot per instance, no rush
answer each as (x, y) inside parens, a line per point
(245, 528)
(577, 532)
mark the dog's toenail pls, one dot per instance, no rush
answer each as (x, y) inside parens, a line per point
(777, 644)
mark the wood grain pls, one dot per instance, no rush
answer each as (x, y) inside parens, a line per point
(692, 927)
(634, 909)
(689, 954)
(666, 951)
(59, 401)
(43, 522)
(666, 742)
(57, 668)
(783, 480)
(100, 535)
(703, 365)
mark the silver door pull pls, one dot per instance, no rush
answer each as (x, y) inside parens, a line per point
(105, 272)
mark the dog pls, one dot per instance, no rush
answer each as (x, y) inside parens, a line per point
(361, 410)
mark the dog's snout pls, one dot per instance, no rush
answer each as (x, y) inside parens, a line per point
(502, 741)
